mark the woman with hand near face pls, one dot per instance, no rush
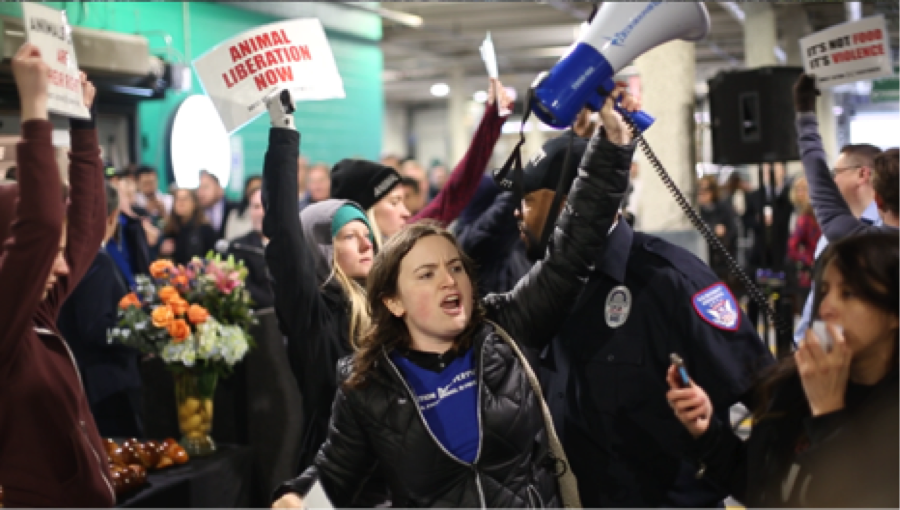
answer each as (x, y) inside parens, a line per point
(435, 395)
(826, 429)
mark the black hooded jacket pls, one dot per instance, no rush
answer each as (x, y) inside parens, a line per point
(380, 424)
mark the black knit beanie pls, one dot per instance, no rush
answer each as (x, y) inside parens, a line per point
(361, 181)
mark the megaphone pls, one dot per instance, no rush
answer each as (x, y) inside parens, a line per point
(619, 33)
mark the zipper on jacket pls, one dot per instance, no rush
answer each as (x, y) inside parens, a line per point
(415, 403)
(82, 428)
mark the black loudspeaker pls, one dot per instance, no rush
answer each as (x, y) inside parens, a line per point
(752, 116)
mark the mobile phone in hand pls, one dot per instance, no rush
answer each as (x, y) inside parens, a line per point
(684, 381)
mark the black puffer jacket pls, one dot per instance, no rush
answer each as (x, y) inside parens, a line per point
(382, 423)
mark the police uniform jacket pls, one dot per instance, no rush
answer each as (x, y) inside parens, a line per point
(647, 299)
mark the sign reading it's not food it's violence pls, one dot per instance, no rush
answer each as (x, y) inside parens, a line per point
(49, 30)
(239, 74)
(848, 52)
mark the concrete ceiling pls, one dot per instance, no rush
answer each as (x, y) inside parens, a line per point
(531, 37)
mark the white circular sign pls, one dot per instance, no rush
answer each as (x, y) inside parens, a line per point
(199, 142)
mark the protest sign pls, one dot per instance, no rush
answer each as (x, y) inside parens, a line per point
(49, 30)
(241, 73)
(848, 52)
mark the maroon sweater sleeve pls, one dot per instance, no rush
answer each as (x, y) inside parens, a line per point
(463, 182)
(33, 243)
(86, 215)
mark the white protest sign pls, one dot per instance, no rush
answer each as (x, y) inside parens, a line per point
(49, 30)
(241, 73)
(848, 52)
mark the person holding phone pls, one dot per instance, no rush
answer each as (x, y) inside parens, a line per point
(825, 429)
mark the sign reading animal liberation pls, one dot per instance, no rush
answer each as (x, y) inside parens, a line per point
(49, 30)
(848, 52)
(242, 72)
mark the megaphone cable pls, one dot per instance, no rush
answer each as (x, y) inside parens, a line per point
(753, 291)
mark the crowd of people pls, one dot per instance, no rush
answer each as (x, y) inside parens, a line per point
(459, 345)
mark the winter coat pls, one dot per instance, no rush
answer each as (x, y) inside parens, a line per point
(381, 424)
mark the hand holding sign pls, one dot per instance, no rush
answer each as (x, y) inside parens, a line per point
(805, 93)
(88, 90)
(30, 73)
(496, 91)
(48, 30)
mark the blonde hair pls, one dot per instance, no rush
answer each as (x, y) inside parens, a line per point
(802, 206)
(356, 297)
(374, 228)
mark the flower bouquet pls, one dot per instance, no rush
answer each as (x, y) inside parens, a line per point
(196, 319)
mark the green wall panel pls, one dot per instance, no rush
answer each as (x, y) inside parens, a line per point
(331, 130)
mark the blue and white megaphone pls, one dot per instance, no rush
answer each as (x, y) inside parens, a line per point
(619, 33)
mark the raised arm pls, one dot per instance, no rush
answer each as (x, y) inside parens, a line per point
(463, 182)
(297, 296)
(834, 215)
(86, 215)
(36, 209)
(496, 227)
(535, 309)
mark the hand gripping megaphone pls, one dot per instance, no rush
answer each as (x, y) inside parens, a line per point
(619, 33)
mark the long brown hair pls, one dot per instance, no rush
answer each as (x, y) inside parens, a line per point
(388, 332)
(870, 265)
(174, 223)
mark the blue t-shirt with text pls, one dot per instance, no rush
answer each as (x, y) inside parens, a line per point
(448, 401)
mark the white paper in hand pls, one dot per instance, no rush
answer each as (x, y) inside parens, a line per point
(49, 30)
(489, 57)
(316, 498)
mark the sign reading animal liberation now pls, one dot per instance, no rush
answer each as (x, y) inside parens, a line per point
(239, 74)
(49, 30)
(848, 52)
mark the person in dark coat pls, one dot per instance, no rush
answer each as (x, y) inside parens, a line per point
(250, 248)
(51, 454)
(187, 233)
(826, 428)
(435, 396)
(109, 372)
(721, 219)
(646, 299)
(487, 232)
(215, 207)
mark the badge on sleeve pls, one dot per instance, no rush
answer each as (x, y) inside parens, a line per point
(717, 306)
(618, 306)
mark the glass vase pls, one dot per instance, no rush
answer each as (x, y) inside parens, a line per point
(194, 391)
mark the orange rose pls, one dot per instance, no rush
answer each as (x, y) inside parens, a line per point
(159, 268)
(179, 306)
(197, 314)
(179, 330)
(168, 294)
(162, 316)
(129, 301)
(181, 281)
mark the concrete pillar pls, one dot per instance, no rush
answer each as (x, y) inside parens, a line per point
(794, 26)
(667, 77)
(760, 35)
(456, 112)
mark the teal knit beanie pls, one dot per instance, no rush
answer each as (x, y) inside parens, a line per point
(346, 214)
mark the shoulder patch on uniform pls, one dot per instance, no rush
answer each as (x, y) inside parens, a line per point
(717, 306)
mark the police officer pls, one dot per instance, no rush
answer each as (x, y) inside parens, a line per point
(604, 374)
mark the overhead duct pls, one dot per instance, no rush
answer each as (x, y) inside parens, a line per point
(115, 62)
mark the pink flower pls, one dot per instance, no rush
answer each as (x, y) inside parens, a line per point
(226, 286)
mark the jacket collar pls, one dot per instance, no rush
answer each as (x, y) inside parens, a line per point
(613, 261)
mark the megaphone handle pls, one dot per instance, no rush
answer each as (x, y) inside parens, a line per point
(642, 120)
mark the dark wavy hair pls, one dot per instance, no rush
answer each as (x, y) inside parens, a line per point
(388, 332)
(175, 223)
(870, 266)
